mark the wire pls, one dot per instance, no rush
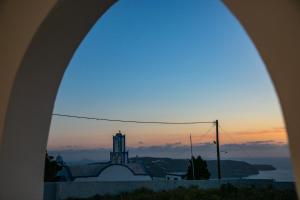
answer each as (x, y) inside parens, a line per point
(227, 134)
(234, 141)
(206, 133)
(128, 121)
(202, 137)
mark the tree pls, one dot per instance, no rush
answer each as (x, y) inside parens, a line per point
(51, 169)
(200, 169)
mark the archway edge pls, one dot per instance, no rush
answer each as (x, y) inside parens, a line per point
(274, 27)
(28, 90)
(30, 76)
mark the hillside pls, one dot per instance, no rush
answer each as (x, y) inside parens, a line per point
(263, 167)
(159, 167)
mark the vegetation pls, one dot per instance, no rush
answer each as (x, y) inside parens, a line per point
(200, 171)
(51, 169)
(226, 192)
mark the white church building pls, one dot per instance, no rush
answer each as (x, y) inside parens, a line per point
(117, 169)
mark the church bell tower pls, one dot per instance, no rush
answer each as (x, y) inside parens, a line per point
(119, 155)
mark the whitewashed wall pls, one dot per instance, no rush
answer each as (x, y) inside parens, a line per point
(115, 173)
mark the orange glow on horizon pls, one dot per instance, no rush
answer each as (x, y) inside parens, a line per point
(137, 138)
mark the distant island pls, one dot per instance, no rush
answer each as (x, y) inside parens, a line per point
(159, 167)
(263, 167)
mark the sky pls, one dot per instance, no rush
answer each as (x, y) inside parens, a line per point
(167, 61)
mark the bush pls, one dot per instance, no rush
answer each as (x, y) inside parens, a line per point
(226, 192)
(200, 169)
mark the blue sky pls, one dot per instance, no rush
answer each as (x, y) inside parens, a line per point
(169, 60)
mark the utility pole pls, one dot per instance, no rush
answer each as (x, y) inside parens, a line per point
(218, 149)
(192, 157)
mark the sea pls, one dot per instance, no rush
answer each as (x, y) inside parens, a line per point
(283, 172)
(279, 175)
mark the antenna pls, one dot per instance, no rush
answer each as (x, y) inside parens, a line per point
(192, 156)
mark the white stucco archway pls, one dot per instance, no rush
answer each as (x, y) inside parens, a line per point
(38, 39)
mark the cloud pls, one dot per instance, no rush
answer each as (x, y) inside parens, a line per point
(175, 144)
(253, 149)
(264, 131)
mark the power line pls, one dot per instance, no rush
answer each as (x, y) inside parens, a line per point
(129, 121)
(206, 133)
(227, 134)
(235, 142)
(202, 136)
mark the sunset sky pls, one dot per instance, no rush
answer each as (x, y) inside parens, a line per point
(169, 61)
